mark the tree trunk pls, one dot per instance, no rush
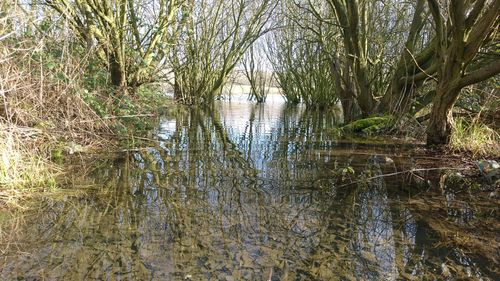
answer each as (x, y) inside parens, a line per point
(459, 39)
(350, 107)
(441, 120)
(117, 73)
(398, 99)
(177, 90)
(365, 98)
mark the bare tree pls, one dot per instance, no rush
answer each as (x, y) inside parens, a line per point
(300, 56)
(256, 73)
(214, 35)
(416, 64)
(462, 29)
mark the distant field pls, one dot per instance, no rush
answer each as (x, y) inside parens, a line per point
(239, 88)
(244, 89)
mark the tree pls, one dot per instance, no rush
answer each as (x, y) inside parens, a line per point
(462, 29)
(363, 42)
(352, 18)
(300, 58)
(413, 68)
(129, 35)
(213, 36)
(256, 74)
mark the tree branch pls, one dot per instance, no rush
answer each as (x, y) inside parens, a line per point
(479, 75)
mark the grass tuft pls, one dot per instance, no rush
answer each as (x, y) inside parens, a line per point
(476, 138)
(21, 165)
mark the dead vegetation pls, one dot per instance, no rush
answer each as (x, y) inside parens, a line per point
(41, 112)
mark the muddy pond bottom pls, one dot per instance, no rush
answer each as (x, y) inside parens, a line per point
(250, 192)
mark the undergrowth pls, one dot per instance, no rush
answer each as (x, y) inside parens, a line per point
(54, 101)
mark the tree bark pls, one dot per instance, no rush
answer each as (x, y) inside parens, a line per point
(441, 122)
(354, 78)
(117, 73)
(178, 96)
(348, 99)
(350, 107)
(460, 37)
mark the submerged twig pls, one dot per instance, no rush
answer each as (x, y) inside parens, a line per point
(402, 172)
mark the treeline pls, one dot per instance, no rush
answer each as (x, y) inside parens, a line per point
(374, 57)
(388, 57)
(143, 41)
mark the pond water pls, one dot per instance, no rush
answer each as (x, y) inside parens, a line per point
(249, 192)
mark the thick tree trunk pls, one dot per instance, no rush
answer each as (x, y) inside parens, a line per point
(441, 123)
(350, 107)
(458, 42)
(440, 129)
(117, 73)
(365, 98)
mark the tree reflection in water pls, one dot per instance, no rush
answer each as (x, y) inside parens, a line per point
(243, 192)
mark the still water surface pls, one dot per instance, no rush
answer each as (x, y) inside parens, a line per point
(250, 192)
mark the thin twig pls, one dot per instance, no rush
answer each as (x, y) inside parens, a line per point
(419, 67)
(402, 172)
(129, 116)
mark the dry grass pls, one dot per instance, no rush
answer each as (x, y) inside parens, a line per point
(31, 98)
(24, 165)
(41, 90)
(40, 107)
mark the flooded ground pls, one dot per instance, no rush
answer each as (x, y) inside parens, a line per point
(249, 192)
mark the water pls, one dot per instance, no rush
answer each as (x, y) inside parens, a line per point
(251, 192)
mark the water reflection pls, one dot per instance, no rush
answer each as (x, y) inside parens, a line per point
(243, 192)
(374, 244)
